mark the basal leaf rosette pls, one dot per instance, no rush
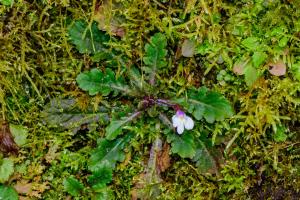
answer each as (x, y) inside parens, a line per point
(155, 53)
(87, 39)
(210, 105)
(95, 81)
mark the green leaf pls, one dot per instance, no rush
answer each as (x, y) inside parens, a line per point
(104, 194)
(110, 58)
(251, 43)
(258, 58)
(155, 54)
(183, 145)
(283, 42)
(296, 70)
(20, 134)
(101, 177)
(6, 169)
(108, 152)
(204, 48)
(8, 193)
(205, 161)
(280, 135)
(102, 56)
(72, 186)
(115, 127)
(65, 114)
(251, 75)
(95, 81)
(137, 80)
(207, 104)
(87, 39)
(91, 40)
(277, 31)
(7, 2)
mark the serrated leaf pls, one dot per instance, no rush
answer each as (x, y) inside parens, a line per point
(207, 104)
(101, 177)
(108, 153)
(6, 169)
(258, 58)
(251, 75)
(8, 193)
(205, 162)
(72, 186)
(87, 39)
(183, 145)
(91, 40)
(95, 81)
(20, 134)
(65, 114)
(115, 127)
(251, 43)
(155, 55)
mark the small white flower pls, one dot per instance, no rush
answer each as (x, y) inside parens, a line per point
(181, 121)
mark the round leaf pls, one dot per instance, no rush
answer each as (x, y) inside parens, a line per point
(8, 193)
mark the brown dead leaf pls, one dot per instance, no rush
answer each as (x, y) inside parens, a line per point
(238, 70)
(23, 187)
(239, 67)
(188, 48)
(7, 143)
(278, 68)
(163, 160)
(33, 189)
(24, 198)
(134, 195)
(146, 184)
(107, 22)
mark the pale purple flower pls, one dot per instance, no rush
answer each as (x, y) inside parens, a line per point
(181, 121)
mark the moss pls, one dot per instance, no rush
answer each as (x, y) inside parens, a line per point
(38, 63)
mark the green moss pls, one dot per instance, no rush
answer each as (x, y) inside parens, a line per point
(38, 62)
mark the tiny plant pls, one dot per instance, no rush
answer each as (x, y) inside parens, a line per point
(139, 84)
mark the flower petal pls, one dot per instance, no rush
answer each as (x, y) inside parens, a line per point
(176, 121)
(180, 128)
(188, 123)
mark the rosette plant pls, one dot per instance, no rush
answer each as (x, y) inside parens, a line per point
(149, 99)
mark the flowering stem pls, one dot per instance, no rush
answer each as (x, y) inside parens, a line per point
(134, 115)
(164, 102)
(151, 101)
